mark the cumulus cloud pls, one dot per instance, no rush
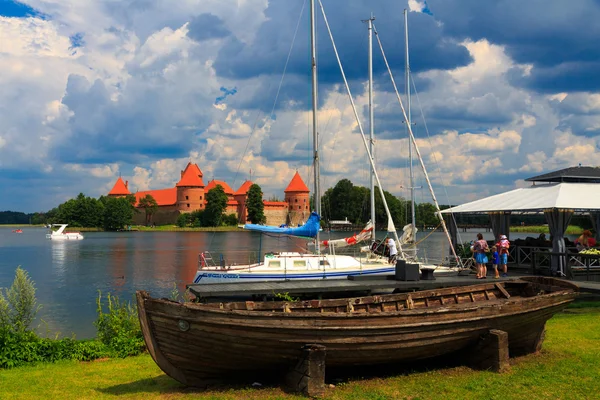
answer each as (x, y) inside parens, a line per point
(139, 88)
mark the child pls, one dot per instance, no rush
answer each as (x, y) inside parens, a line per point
(503, 245)
(496, 261)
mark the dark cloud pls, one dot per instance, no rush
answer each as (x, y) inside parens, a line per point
(572, 76)
(266, 55)
(557, 38)
(207, 26)
(145, 123)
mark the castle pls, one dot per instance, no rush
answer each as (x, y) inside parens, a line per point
(189, 194)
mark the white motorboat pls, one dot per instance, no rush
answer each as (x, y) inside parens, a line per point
(60, 233)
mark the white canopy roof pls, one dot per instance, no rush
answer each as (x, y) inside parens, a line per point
(574, 196)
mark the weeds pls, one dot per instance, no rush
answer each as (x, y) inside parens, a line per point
(119, 327)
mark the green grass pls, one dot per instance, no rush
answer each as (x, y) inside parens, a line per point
(568, 367)
(571, 230)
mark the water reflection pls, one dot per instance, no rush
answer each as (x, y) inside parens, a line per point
(68, 275)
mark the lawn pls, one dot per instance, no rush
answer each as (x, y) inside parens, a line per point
(568, 367)
(571, 229)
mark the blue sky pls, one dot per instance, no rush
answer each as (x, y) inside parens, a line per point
(137, 88)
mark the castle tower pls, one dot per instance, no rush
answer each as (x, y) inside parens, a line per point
(297, 195)
(121, 189)
(190, 189)
(241, 196)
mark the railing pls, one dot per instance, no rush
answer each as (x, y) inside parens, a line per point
(587, 265)
(228, 259)
(523, 255)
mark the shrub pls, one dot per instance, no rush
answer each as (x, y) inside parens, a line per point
(183, 220)
(119, 327)
(18, 306)
(229, 220)
(19, 348)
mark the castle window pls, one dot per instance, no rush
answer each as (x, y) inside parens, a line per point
(188, 205)
(296, 200)
(305, 200)
(186, 197)
(299, 207)
(200, 197)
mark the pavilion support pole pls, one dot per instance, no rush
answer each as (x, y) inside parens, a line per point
(558, 220)
(500, 222)
(453, 230)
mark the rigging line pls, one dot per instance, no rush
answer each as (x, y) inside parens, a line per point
(276, 96)
(362, 133)
(417, 151)
(439, 169)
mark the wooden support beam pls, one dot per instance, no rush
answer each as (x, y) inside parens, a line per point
(491, 353)
(308, 376)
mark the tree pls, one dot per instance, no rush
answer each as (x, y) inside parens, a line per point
(346, 201)
(255, 206)
(425, 214)
(395, 205)
(149, 204)
(216, 202)
(118, 212)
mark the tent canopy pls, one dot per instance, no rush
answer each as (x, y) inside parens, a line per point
(572, 196)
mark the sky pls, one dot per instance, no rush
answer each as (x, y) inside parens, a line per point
(91, 91)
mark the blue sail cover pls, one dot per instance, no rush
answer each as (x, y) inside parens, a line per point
(309, 229)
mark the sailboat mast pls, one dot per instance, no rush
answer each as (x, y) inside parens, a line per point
(313, 56)
(408, 122)
(371, 124)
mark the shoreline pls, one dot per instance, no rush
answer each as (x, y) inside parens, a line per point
(571, 230)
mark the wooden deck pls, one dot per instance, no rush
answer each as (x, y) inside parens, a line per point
(356, 284)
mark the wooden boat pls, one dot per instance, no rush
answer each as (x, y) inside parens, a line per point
(198, 343)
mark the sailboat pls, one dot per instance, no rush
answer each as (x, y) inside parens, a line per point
(317, 265)
(296, 265)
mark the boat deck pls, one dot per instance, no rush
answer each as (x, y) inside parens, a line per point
(353, 284)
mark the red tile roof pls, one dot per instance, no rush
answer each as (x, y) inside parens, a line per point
(191, 176)
(120, 189)
(163, 197)
(215, 182)
(297, 185)
(244, 188)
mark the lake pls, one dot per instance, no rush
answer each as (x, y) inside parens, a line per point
(69, 274)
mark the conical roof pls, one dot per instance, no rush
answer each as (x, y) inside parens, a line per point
(297, 185)
(244, 188)
(120, 188)
(212, 184)
(191, 176)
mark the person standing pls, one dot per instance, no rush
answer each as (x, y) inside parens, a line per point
(503, 245)
(393, 251)
(496, 261)
(480, 247)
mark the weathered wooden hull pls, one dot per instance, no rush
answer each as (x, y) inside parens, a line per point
(195, 343)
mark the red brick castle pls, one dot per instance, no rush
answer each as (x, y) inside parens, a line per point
(189, 194)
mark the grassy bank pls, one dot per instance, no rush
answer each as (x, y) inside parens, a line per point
(571, 230)
(567, 368)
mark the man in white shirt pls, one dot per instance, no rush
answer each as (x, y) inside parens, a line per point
(393, 251)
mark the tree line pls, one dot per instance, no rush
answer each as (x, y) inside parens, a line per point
(114, 213)
(345, 200)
